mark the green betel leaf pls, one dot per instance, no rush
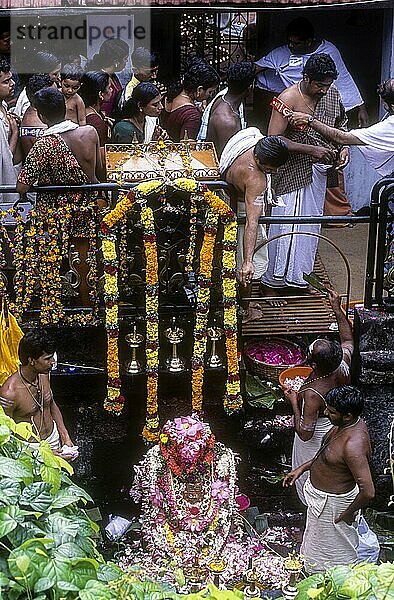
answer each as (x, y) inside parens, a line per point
(68, 550)
(36, 496)
(5, 433)
(96, 590)
(109, 572)
(51, 475)
(82, 570)
(58, 523)
(56, 570)
(70, 495)
(43, 584)
(9, 491)
(14, 469)
(25, 431)
(52, 460)
(10, 517)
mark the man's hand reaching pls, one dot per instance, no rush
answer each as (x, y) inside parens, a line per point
(246, 273)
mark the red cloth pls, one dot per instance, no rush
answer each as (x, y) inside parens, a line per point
(100, 126)
(108, 106)
(185, 118)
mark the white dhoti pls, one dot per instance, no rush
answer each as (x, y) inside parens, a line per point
(305, 451)
(53, 440)
(326, 544)
(291, 256)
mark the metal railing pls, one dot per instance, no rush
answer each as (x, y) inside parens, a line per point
(381, 194)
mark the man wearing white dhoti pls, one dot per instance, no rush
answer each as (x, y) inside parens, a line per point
(330, 362)
(339, 485)
(8, 135)
(376, 142)
(283, 67)
(300, 183)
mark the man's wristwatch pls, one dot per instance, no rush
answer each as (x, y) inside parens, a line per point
(311, 120)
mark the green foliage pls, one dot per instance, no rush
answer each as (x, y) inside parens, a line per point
(46, 545)
(365, 581)
(260, 393)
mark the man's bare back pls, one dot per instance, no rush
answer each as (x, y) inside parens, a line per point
(333, 469)
(222, 125)
(245, 176)
(84, 144)
(30, 119)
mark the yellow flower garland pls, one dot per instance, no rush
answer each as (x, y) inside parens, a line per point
(216, 208)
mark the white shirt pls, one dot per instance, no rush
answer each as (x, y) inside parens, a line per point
(283, 69)
(379, 145)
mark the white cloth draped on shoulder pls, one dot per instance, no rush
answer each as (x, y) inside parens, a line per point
(282, 69)
(326, 544)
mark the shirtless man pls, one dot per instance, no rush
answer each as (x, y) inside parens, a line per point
(302, 184)
(248, 176)
(225, 112)
(339, 485)
(330, 362)
(26, 396)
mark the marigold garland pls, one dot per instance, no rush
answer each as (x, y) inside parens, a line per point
(151, 429)
(216, 207)
(202, 308)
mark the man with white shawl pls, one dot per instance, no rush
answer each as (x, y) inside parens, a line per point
(330, 362)
(338, 486)
(224, 115)
(375, 142)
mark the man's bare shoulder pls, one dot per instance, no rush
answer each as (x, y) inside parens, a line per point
(357, 440)
(289, 94)
(9, 389)
(85, 132)
(31, 119)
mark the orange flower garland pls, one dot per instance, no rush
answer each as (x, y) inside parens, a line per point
(151, 429)
(202, 309)
(114, 401)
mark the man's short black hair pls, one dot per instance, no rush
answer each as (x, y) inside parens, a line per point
(5, 65)
(346, 399)
(50, 103)
(301, 28)
(327, 355)
(37, 82)
(386, 91)
(240, 76)
(319, 67)
(272, 151)
(34, 344)
(142, 57)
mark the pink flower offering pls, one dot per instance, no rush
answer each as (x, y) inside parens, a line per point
(276, 353)
(242, 501)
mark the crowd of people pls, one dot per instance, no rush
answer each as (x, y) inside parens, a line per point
(292, 167)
